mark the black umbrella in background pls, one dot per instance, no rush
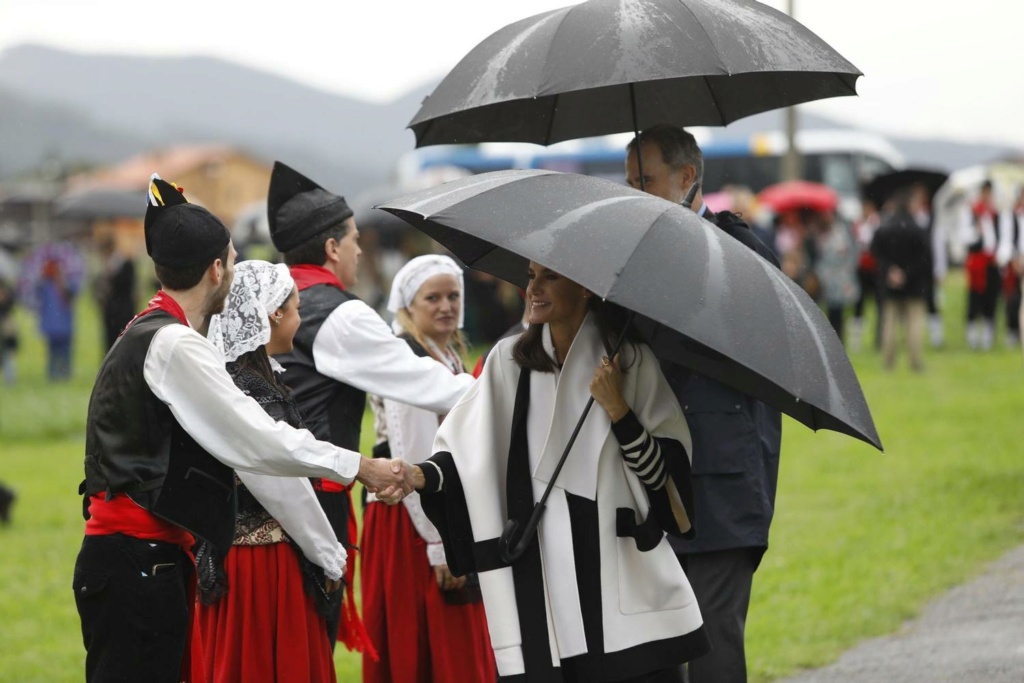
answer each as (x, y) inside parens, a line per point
(610, 66)
(882, 187)
(101, 203)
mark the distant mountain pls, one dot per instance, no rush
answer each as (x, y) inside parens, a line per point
(100, 108)
(343, 142)
(33, 134)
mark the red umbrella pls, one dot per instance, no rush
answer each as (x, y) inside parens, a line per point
(794, 195)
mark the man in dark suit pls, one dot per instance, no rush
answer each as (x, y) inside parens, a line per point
(736, 440)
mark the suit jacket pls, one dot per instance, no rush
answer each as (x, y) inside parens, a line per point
(736, 443)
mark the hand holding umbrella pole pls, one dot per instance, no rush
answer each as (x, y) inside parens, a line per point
(515, 539)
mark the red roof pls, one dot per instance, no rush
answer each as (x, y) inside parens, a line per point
(170, 162)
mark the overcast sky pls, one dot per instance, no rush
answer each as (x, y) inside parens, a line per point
(932, 67)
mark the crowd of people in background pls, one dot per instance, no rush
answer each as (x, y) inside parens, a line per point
(303, 537)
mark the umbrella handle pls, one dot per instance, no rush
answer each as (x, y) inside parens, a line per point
(691, 195)
(513, 542)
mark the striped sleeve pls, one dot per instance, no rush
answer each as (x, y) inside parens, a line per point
(641, 451)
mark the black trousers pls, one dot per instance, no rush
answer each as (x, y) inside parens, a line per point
(721, 582)
(132, 600)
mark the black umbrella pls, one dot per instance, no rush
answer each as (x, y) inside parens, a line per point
(699, 298)
(884, 186)
(702, 299)
(608, 66)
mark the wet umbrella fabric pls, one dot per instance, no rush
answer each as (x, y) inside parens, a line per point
(703, 300)
(608, 66)
(794, 195)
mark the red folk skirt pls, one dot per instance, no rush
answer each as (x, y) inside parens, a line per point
(265, 628)
(420, 638)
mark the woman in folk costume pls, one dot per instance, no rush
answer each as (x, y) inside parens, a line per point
(427, 624)
(598, 595)
(263, 618)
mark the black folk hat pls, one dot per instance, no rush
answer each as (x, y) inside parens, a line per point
(179, 234)
(298, 208)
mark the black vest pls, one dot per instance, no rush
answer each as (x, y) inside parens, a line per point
(133, 445)
(332, 410)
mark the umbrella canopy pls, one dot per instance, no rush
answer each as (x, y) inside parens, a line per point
(93, 204)
(608, 66)
(884, 186)
(794, 195)
(703, 299)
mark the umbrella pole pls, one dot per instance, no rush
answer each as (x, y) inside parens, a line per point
(515, 539)
(636, 132)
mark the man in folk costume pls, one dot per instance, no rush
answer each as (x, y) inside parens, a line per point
(343, 348)
(165, 429)
(980, 236)
(597, 595)
(1010, 257)
(736, 440)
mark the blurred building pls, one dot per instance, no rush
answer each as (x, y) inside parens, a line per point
(112, 199)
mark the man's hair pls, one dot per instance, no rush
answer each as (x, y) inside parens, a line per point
(677, 146)
(312, 250)
(180, 279)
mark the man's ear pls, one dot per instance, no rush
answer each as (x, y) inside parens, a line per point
(330, 250)
(689, 175)
(216, 271)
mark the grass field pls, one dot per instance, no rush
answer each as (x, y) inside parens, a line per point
(860, 542)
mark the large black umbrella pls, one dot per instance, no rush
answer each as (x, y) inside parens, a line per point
(608, 66)
(700, 298)
(703, 299)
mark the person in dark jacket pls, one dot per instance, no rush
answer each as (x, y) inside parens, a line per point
(115, 291)
(904, 260)
(736, 440)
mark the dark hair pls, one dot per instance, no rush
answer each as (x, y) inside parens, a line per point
(528, 351)
(312, 250)
(180, 279)
(258, 361)
(678, 147)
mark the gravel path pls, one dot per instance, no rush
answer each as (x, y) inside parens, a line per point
(973, 633)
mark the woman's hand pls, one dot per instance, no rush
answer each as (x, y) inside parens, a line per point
(446, 581)
(606, 387)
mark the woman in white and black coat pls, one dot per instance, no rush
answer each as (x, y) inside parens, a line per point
(598, 595)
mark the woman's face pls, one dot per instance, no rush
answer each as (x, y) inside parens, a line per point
(284, 322)
(436, 307)
(551, 298)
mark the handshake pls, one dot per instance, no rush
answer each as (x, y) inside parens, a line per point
(390, 480)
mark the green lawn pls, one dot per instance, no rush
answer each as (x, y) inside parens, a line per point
(861, 540)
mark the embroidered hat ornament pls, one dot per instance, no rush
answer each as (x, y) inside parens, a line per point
(298, 208)
(179, 234)
(258, 289)
(411, 277)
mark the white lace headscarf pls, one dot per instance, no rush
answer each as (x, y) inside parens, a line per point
(259, 289)
(411, 277)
